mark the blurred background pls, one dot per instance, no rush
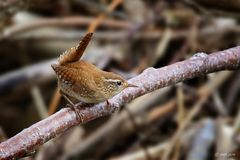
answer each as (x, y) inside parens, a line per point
(198, 119)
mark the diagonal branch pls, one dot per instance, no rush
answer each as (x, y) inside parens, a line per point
(151, 79)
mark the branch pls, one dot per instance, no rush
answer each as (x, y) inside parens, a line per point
(26, 77)
(9, 7)
(151, 79)
(66, 21)
(96, 22)
(41, 72)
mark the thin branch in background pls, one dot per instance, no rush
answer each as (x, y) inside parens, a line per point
(231, 94)
(96, 22)
(96, 7)
(203, 140)
(10, 7)
(180, 104)
(65, 21)
(136, 127)
(219, 105)
(193, 112)
(54, 101)
(151, 79)
(180, 116)
(162, 46)
(3, 136)
(236, 125)
(26, 77)
(39, 102)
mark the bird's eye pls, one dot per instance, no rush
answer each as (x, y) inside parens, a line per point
(119, 83)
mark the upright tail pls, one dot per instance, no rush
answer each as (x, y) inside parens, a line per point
(75, 53)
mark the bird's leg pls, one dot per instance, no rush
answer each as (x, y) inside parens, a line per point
(64, 96)
(72, 106)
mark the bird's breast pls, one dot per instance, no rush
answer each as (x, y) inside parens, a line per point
(83, 94)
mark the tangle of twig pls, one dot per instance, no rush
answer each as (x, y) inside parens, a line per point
(151, 79)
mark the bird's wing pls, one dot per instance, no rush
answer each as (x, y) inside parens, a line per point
(64, 74)
(75, 53)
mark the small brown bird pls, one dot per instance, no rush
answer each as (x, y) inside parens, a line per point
(84, 81)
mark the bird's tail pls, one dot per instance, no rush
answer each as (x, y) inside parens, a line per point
(75, 53)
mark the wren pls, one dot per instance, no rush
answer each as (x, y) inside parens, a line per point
(84, 81)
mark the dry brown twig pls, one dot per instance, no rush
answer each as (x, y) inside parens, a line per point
(54, 102)
(151, 79)
(96, 22)
(204, 93)
(66, 21)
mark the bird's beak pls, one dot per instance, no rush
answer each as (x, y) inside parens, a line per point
(131, 85)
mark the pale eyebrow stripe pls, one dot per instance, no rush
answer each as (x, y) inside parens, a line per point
(112, 80)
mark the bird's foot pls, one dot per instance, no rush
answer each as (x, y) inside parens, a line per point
(108, 105)
(74, 108)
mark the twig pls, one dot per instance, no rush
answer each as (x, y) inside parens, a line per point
(116, 35)
(155, 152)
(181, 113)
(96, 22)
(180, 104)
(54, 102)
(195, 109)
(39, 102)
(9, 7)
(3, 135)
(100, 35)
(159, 111)
(151, 79)
(67, 21)
(26, 77)
(136, 128)
(205, 92)
(219, 105)
(203, 141)
(232, 5)
(162, 46)
(236, 126)
(95, 7)
(231, 94)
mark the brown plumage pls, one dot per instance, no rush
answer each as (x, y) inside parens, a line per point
(84, 81)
